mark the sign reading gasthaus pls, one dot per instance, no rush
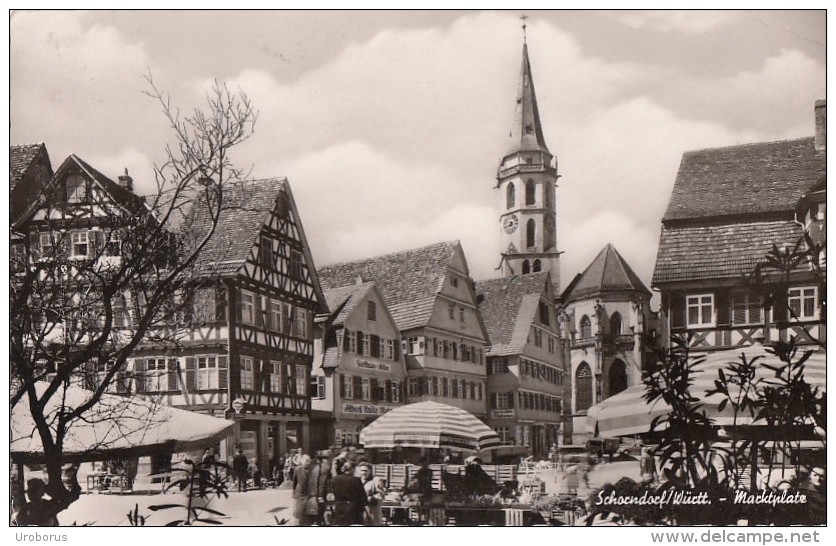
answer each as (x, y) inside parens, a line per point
(365, 409)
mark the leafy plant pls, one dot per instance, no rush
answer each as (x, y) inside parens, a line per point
(200, 481)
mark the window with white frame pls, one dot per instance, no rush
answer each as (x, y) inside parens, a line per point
(347, 387)
(156, 374)
(207, 372)
(275, 315)
(300, 322)
(301, 381)
(46, 244)
(364, 342)
(366, 388)
(538, 337)
(381, 347)
(802, 302)
(247, 374)
(504, 434)
(451, 311)
(80, 244)
(390, 349)
(275, 376)
(321, 392)
(746, 308)
(76, 189)
(416, 345)
(350, 342)
(247, 306)
(700, 310)
(503, 400)
(414, 386)
(461, 314)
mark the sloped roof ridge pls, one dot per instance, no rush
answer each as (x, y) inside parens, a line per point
(391, 255)
(749, 145)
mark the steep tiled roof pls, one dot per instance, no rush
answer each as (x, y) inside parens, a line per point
(719, 251)
(751, 178)
(608, 272)
(121, 195)
(508, 306)
(248, 206)
(20, 157)
(409, 280)
(345, 299)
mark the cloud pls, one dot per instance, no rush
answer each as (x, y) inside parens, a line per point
(73, 79)
(692, 22)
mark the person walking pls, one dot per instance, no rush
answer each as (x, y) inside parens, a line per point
(647, 465)
(322, 484)
(239, 469)
(301, 491)
(350, 497)
(375, 492)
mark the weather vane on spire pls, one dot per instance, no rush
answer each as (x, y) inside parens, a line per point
(524, 18)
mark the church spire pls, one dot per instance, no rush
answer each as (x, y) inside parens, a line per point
(526, 132)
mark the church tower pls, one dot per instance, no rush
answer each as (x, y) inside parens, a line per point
(526, 179)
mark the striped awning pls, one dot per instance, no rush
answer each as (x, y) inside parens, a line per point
(429, 425)
(627, 413)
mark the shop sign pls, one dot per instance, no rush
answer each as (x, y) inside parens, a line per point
(380, 366)
(365, 409)
(502, 414)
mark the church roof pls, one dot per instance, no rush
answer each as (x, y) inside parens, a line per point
(409, 281)
(508, 306)
(526, 131)
(750, 178)
(608, 272)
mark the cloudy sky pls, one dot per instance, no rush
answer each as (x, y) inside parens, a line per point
(390, 125)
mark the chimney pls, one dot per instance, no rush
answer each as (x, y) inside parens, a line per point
(821, 125)
(126, 181)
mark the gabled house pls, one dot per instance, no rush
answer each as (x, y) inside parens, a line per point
(729, 208)
(249, 355)
(359, 372)
(524, 363)
(29, 171)
(431, 297)
(605, 316)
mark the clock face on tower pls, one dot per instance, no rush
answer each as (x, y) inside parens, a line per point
(549, 223)
(509, 224)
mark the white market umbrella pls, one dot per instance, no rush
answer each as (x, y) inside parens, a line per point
(429, 425)
(116, 426)
(628, 413)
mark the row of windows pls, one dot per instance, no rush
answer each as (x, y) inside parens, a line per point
(354, 387)
(209, 372)
(161, 374)
(526, 400)
(274, 315)
(81, 243)
(445, 387)
(451, 312)
(272, 376)
(540, 371)
(530, 194)
(442, 348)
(747, 308)
(370, 345)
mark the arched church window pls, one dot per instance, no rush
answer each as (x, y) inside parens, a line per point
(586, 327)
(583, 387)
(526, 268)
(510, 197)
(529, 192)
(536, 266)
(615, 324)
(530, 231)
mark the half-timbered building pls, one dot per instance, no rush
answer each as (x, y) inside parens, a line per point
(729, 208)
(432, 300)
(248, 356)
(359, 372)
(524, 365)
(29, 172)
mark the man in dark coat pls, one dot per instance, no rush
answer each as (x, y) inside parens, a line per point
(302, 491)
(239, 469)
(350, 497)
